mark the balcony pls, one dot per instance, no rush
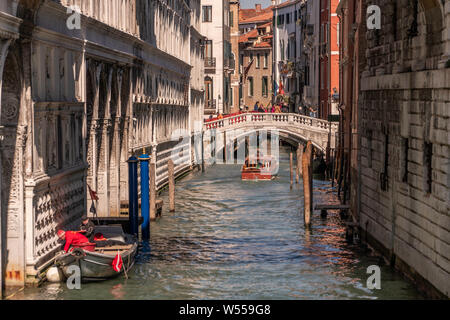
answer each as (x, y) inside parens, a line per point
(210, 62)
(210, 107)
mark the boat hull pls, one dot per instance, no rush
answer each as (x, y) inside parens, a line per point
(95, 266)
(256, 175)
(259, 168)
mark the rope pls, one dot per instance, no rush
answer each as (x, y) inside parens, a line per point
(125, 269)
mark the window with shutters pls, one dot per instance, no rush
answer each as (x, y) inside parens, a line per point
(250, 86)
(207, 13)
(265, 87)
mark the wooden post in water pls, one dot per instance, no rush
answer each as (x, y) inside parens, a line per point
(171, 171)
(299, 162)
(291, 166)
(307, 183)
(225, 159)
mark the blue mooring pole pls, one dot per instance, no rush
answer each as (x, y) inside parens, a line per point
(133, 213)
(145, 197)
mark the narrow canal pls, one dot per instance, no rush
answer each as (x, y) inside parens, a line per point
(230, 239)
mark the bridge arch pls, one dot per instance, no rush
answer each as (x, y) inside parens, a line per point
(290, 137)
(291, 128)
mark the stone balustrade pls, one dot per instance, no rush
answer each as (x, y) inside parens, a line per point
(273, 119)
(300, 127)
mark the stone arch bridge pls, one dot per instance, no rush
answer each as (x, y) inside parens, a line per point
(292, 128)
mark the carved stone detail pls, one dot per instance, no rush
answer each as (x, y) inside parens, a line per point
(56, 207)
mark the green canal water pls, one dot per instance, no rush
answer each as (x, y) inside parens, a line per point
(230, 239)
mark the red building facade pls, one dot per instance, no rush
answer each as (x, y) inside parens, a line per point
(329, 59)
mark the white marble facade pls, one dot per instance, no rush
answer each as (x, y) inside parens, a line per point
(77, 103)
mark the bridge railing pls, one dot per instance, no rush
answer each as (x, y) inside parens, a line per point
(273, 119)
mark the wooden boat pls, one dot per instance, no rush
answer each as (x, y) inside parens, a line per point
(97, 263)
(259, 168)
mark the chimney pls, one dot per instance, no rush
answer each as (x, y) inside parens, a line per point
(258, 7)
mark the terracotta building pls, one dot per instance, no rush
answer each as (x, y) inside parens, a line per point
(393, 160)
(255, 56)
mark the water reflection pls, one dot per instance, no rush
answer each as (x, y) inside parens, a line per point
(230, 239)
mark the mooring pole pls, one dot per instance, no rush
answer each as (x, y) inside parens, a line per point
(299, 160)
(153, 184)
(225, 159)
(145, 213)
(291, 166)
(171, 172)
(203, 151)
(297, 167)
(307, 184)
(133, 214)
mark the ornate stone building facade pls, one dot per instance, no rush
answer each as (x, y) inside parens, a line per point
(197, 96)
(77, 101)
(310, 26)
(394, 141)
(219, 60)
(287, 53)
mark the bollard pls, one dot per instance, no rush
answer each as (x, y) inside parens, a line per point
(171, 172)
(133, 214)
(145, 227)
(307, 184)
(203, 151)
(153, 189)
(291, 166)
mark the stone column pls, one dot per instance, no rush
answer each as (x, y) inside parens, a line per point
(95, 70)
(115, 163)
(125, 151)
(104, 156)
(4, 45)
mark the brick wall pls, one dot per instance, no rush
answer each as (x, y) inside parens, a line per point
(404, 102)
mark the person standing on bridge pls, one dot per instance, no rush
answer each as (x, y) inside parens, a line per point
(256, 106)
(261, 108)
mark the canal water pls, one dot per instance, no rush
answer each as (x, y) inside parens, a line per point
(231, 239)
